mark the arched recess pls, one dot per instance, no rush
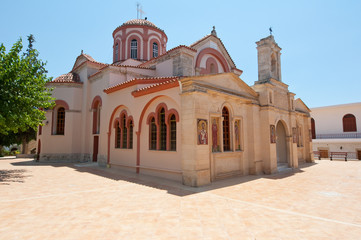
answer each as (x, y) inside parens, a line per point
(117, 50)
(217, 55)
(59, 117)
(313, 128)
(140, 43)
(61, 103)
(281, 143)
(149, 117)
(349, 123)
(151, 50)
(111, 123)
(96, 108)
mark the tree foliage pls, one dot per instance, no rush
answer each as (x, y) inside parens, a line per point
(23, 92)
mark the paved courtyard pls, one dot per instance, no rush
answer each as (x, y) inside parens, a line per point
(68, 201)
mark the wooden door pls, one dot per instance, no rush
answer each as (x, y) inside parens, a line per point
(323, 153)
(95, 148)
(359, 155)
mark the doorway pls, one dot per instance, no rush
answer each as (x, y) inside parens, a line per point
(95, 148)
(281, 145)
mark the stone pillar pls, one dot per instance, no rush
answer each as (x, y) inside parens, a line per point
(195, 158)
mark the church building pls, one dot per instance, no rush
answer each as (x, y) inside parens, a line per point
(182, 114)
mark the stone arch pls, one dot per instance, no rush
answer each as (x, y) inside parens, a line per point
(216, 54)
(281, 143)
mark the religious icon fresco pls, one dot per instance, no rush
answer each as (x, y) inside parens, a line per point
(237, 134)
(294, 134)
(202, 131)
(215, 142)
(273, 134)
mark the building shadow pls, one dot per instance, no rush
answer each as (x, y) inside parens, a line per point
(171, 187)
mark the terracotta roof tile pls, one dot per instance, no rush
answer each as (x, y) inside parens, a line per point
(156, 84)
(134, 81)
(115, 65)
(67, 78)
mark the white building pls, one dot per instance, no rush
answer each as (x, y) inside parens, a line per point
(337, 129)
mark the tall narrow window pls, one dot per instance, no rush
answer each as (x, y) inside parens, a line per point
(226, 133)
(349, 123)
(163, 130)
(173, 133)
(117, 135)
(60, 124)
(124, 131)
(155, 50)
(134, 49)
(130, 145)
(313, 128)
(117, 52)
(96, 117)
(212, 68)
(273, 64)
(153, 135)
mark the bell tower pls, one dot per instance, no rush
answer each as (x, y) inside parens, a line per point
(269, 60)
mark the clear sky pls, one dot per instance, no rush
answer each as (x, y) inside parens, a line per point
(320, 40)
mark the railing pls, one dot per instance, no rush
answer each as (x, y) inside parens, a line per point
(339, 135)
(349, 155)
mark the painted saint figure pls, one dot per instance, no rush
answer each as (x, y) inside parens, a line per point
(202, 132)
(214, 136)
(236, 131)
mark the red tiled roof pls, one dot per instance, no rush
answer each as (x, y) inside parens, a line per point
(156, 87)
(107, 65)
(67, 78)
(88, 59)
(135, 81)
(167, 52)
(138, 22)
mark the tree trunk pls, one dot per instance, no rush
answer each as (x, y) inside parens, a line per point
(24, 148)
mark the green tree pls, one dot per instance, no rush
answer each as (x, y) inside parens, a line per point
(23, 91)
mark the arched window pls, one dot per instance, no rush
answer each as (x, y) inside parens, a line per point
(124, 131)
(96, 118)
(130, 143)
(153, 135)
(155, 50)
(134, 49)
(163, 130)
(173, 133)
(117, 134)
(313, 128)
(273, 64)
(349, 123)
(116, 52)
(212, 68)
(60, 121)
(226, 130)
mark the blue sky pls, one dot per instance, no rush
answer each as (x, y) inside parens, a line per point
(320, 40)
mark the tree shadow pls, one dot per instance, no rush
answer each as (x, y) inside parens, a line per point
(8, 176)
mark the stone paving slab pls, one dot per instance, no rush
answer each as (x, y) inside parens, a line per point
(65, 201)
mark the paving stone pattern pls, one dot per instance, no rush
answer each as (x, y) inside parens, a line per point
(68, 201)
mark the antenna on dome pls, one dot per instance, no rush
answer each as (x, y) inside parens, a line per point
(139, 11)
